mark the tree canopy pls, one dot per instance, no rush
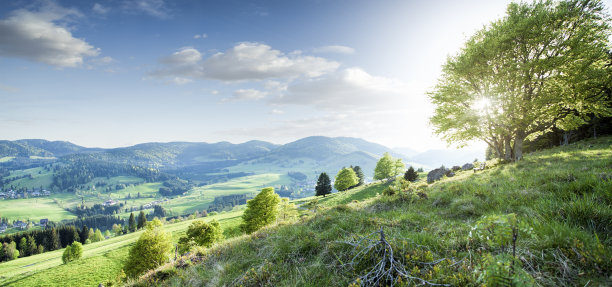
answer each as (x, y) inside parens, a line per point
(150, 250)
(323, 186)
(359, 172)
(201, 233)
(260, 211)
(345, 179)
(388, 167)
(544, 65)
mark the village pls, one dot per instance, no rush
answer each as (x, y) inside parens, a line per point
(27, 193)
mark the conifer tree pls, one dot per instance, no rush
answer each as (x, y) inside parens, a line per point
(411, 175)
(84, 235)
(132, 223)
(142, 220)
(360, 175)
(323, 185)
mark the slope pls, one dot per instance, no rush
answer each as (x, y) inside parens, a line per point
(561, 199)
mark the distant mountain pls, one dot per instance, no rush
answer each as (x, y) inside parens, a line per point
(406, 151)
(447, 157)
(39, 147)
(57, 148)
(310, 155)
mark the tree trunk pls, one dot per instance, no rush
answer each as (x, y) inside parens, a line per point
(518, 146)
(565, 138)
(508, 147)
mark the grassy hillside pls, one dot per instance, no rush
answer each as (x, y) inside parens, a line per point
(561, 198)
(101, 261)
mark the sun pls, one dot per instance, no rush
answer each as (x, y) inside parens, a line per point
(481, 105)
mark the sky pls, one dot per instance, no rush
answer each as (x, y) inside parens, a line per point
(118, 73)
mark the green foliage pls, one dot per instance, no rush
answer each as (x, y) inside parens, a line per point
(97, 236)
(345, 179)
(323, 186)
(142, 220)
(543, 66)
(72, 252)
(411, 175)
(132, 223)
(500, 231)
(359, 172)
(261, 210)
(201, 233)
(388, 167)
(150, 250)
(503, 270)
(287, 211)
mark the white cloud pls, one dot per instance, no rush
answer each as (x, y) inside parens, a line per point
(334, 49)
(200, 36)
(43, 36)
(351, 88)
(181, 81)
(245, 61)
(104, 60)
(155, 8)
(276, 112)
(100, 9)
(184, 56)
(246, 94)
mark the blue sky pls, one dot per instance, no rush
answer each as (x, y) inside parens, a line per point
(117, 73)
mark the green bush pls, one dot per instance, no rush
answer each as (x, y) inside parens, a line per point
(151, 249)
(72, 252)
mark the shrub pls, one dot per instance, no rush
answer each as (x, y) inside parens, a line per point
(202, 234)
(260, 211)
(151, 249)
(72, 252)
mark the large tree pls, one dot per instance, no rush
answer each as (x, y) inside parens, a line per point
(543, 66)
(260, 211)
(323, 186)
(345, 179)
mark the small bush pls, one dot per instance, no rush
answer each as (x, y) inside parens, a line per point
(72, 252)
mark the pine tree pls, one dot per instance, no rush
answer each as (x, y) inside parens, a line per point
(411, 175)
(260, 211)
(323, 185)
(132, 223)
(84, 234)
(360, 175)
(142, 220)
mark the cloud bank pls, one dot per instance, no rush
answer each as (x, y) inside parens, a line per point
(43, 36)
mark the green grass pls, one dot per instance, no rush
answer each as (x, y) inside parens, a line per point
(562, 193)
(199, 198)
(33, 209)
(101, 261)
(40, 177)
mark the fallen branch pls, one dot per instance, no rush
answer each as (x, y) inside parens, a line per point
(387, 270)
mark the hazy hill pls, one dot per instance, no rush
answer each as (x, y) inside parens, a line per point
(437, 157)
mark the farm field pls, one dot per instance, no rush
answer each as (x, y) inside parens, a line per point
(33, 209)
(101, 261)
(199, 198)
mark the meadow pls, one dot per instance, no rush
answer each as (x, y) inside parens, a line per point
(561, 199)
(101, 261)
